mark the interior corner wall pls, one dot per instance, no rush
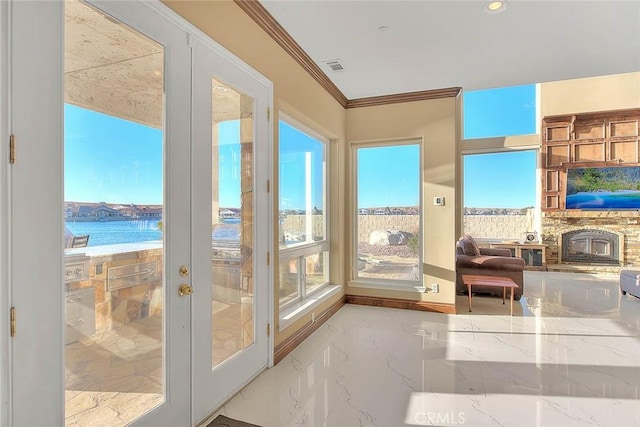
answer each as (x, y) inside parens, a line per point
(435, 122)
(593, 94)
(294, 92)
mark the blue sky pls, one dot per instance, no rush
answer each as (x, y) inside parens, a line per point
(117, 161)
(389, 176)
(500, 180)
(293, 147)
(500, 112)
(111, 160)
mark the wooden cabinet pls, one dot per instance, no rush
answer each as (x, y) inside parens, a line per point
(601, 139)
(534, 254)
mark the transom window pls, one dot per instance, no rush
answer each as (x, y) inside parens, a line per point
(502, 111)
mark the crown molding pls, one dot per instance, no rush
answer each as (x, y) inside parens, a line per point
(267, 22)
(422, 95)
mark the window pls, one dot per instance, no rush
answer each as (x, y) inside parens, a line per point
(500, 112)
(304, 247)
(499, 206)
(388, 231)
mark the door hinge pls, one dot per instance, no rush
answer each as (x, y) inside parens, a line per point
(12, 149)
(268, 186)
(268, 113)
(13, 321)
(268, 329)
(268, 258)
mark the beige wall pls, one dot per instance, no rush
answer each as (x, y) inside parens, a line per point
(592, 94)
(434, 122)
(295, 93)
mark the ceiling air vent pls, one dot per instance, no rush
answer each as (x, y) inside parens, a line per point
(334, 64)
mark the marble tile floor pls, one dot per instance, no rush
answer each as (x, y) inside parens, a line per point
(570, 356)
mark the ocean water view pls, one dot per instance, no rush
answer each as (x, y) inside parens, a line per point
(115, 232)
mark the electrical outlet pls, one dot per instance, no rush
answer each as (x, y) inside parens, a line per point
(435, 288)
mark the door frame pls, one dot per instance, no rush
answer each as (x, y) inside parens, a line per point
(37, 292)
(5, 385)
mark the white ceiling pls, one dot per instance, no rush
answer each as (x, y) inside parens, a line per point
(440, 44)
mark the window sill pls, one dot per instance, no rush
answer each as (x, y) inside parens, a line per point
(296, 311)
(388, 286)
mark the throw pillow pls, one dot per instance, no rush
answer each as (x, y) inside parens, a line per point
(469, 245)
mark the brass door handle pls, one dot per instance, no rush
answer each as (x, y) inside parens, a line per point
(185, 289)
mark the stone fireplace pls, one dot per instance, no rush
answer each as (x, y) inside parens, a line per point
(559, 226)
(590, 246)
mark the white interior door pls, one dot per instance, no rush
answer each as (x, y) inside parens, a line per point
(231, 218)
(102, 335)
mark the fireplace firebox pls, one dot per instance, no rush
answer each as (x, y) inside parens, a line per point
(590, 247)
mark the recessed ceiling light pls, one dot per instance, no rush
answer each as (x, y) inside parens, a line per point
(496, 6)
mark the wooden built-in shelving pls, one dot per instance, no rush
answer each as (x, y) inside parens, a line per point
(602, 139)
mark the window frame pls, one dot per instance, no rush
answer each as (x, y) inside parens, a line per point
(377, 283)
(301, 250)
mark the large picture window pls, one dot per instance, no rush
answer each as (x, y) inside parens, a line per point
(388, 231)
(304, 248)
(499, 209)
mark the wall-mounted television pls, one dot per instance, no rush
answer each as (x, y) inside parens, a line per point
(603, 188)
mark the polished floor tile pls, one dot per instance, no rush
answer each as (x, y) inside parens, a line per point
(570, 356)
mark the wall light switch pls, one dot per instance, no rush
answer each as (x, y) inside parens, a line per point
(438, 201)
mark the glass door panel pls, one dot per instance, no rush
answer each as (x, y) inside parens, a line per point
(230, 159)
(114, 304)
(231, 222)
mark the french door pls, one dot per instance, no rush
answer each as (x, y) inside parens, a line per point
(230, 217)
(138, 265)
